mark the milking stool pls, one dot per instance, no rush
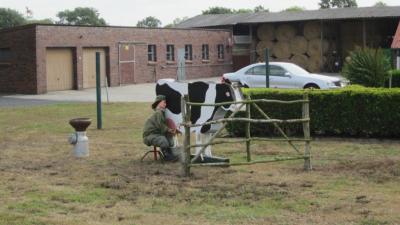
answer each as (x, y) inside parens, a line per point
(155, 151)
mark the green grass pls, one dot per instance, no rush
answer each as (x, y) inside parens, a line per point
(42, 183)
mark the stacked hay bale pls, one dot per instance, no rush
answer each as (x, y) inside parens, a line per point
(289, 44)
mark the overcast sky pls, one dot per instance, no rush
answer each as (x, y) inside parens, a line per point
(128, 12)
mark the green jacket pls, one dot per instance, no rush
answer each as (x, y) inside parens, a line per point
(155, 125)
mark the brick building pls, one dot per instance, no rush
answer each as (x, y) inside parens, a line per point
(39, 58)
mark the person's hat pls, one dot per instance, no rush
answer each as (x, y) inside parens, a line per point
(158, 99)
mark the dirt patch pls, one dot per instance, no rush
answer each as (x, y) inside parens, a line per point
(379, 170)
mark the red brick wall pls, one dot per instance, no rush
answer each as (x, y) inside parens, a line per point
(19, 76)
(108, 37)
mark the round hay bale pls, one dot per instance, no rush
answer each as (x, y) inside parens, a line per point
(315, 45)
(266, 32)
(282, 50)
(285, 32)
(315, 64)
(298, 45)
(300, 60)
(312, 30)
(262, 45)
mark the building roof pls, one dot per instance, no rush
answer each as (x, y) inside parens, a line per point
(396, 38)
(268, 17)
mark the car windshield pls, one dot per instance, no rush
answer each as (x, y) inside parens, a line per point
(295, 69)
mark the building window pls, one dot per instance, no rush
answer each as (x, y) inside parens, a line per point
(5, 55)
(188, 52)
(220, 51)
(204, 52)
(152, 53)
(170, 53)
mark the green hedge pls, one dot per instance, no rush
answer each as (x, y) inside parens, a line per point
(395, 78)
(352, 111)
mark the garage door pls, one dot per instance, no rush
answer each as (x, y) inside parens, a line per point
(89, 67)
(59, 69)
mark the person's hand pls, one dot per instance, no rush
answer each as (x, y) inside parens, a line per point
(172, 131)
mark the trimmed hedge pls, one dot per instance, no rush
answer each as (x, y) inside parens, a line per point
(352, 111)
(395, 78)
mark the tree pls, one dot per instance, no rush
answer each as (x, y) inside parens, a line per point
(260, 8)
(380, 4)
(243, 11)
(325, 4)
(41, 21)
(176, 21)
(217, 10)
(294, 9)
(149, 21)
(10, 18)
(81, 16)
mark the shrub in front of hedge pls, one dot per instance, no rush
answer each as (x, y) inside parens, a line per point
(395, 78)
(352, 111)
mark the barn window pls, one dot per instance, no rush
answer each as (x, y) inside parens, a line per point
(5, 55)
(152, 53)
(220, 51)
(204, 52)
(188, 52)
(170, 53)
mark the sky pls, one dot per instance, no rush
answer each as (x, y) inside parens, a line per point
(129, 12)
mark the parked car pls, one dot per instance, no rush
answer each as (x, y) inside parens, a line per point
(282, 75)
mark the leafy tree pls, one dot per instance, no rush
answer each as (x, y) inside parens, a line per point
(243, 11)
(260, 8)
(176, 21)
(217, 10)
(368, 67)
(10, 18)
(149, 21)
(380, 4)
(324, 4)
(81, 16)
(294, 9)
(41, 21)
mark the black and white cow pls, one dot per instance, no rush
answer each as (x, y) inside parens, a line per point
(200, 92)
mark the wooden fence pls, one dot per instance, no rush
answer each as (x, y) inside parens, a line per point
(187, 162)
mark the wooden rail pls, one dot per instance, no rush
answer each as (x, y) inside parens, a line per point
(305, 121)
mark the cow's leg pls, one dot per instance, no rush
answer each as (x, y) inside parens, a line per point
(198, 141)
(206, 137)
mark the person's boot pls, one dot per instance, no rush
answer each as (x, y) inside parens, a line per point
(168, 155)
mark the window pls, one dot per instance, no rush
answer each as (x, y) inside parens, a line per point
(257, 70)
(170, 53)
(204, 52)
(152, 53)
(276, 71)
(188, 52)
(220, 51)
(260, 70)
(5, 55)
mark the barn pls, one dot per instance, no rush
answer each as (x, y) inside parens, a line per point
(318, 40)
(38, 58)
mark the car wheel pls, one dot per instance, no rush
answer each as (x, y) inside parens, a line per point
(311, 86)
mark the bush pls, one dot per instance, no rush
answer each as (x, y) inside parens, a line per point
(367, 67)
(395, 78)
(351, 111)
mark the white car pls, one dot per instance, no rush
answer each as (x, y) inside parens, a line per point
(282, 75)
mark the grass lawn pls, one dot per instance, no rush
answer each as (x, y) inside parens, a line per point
(353, 181)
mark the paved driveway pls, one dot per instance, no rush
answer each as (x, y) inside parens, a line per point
(129, 93)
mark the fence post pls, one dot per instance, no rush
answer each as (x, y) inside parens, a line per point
(306, 131)
(185, 154)
(248, 131)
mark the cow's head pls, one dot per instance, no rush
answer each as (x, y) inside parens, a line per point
(228, 93)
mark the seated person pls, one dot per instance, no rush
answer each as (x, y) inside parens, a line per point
(156, 132)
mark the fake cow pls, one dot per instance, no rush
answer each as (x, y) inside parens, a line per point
(200, 92)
